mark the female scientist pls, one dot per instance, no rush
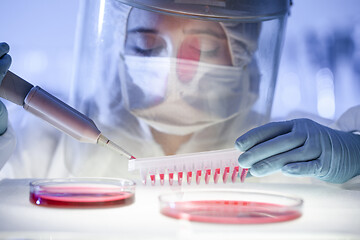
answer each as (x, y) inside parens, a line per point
(171, 77)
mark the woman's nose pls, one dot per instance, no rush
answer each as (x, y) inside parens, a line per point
(188, 51)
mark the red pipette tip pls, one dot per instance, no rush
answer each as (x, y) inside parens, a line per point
(132, 157)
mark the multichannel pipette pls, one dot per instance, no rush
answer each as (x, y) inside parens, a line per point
(221, 164)
(57, 113)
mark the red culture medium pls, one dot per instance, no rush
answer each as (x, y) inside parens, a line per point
(78, 193)
(80, 197)
(231, 212)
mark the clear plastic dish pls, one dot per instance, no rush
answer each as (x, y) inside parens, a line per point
(82, 192)
(230, 206)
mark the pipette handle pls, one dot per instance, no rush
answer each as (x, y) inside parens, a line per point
(60, 115)
(54, 111)
(49, 108)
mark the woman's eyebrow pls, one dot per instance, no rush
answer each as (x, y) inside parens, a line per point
(205, 31)
(143, 30)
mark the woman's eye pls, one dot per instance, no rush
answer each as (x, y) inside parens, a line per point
(206, 47)
(145, 44)
(148, 52)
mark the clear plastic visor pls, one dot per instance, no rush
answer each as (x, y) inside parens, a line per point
(143, 74)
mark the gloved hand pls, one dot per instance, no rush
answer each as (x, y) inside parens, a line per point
(5, 61)
(301, 147)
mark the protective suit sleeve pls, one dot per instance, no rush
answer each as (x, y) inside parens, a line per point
(301, 147)
(7, 145)
(349, 121)
(5, 61)
(7, 136)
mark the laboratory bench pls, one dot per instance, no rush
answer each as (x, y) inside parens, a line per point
(329, 212)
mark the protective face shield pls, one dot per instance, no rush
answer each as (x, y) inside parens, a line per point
(177, 66)
(186, 67)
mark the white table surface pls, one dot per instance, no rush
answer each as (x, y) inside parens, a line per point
(328, 213)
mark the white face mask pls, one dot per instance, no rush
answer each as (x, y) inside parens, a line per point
(181, 96)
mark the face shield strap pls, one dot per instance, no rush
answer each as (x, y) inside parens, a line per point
(242, 39)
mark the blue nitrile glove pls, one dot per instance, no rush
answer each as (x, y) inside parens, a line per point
(5, 61)
(301, 147)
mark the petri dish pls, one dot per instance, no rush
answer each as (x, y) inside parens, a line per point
(82, 192)
(230, 206)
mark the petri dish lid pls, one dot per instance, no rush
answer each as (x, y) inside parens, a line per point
(230, 206)
(82, 192)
